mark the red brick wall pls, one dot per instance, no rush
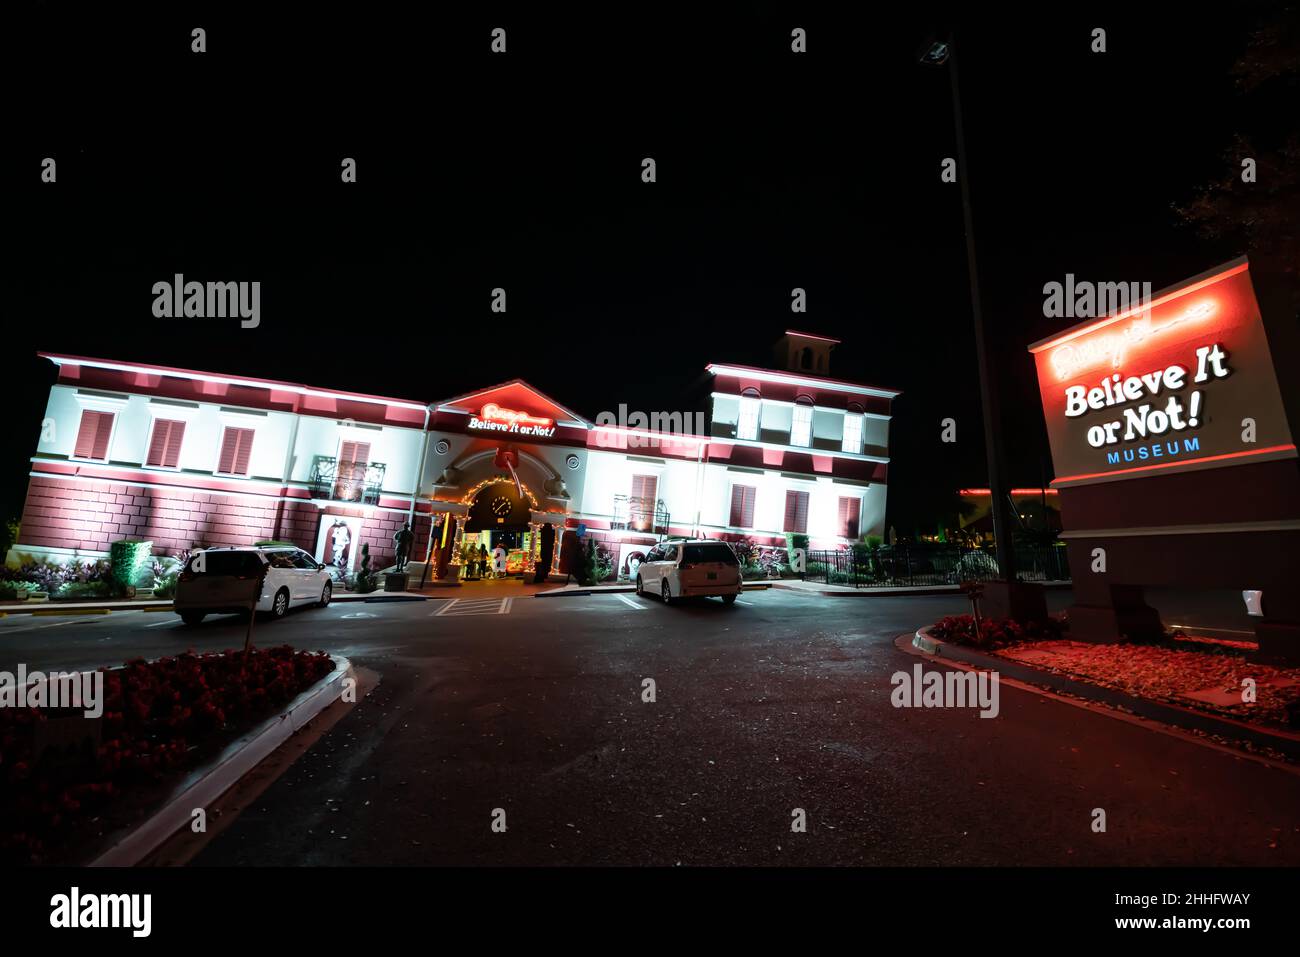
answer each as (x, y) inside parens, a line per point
(90, 516)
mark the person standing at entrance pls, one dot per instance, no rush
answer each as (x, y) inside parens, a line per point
(402, 539)
(482, 561)
(547, 554)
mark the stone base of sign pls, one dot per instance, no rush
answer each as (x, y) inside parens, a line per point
(1119, 613)
(1021, 601)
(396, 581)
(1279, 642)
(1108, 626)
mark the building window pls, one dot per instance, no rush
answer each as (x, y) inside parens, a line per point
(236, 446)
(642, 502)
(801, 423)
(165, 445)
(850, 517)
(350, 473)
(93, 435)
(742, 506)
(796, 511)
(852, 432)
(747, 427)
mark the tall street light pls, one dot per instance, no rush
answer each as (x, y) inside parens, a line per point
(938, 54)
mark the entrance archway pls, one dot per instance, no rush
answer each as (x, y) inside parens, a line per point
(499, 529)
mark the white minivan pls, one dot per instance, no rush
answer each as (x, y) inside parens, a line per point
(683, 569)
(217, 580)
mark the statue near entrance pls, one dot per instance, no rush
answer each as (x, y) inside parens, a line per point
(402, 539)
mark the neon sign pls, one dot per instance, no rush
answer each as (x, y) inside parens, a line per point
(1187, 383)
(1070, 359)
(494, 418)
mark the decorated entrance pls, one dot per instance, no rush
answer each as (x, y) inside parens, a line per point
(499, 538)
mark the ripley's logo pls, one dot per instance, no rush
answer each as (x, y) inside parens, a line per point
(493, 418)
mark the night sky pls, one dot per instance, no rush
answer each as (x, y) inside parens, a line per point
(522, 171)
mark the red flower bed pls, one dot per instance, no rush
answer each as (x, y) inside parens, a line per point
(159, 718)
(993, 632)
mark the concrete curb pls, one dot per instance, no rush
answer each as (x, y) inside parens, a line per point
(900, 591)
(207, 784)
(77, 608)
(1186, 718)
(52, 609)
(596, 590)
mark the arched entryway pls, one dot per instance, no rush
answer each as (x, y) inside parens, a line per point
(499, 539)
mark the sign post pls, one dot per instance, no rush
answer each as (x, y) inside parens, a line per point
(258, 583)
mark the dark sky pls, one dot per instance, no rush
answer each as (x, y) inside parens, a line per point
(523, 171)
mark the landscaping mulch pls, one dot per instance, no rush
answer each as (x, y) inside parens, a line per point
(1162, 673)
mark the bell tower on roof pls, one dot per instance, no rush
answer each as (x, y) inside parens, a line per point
(805, 352)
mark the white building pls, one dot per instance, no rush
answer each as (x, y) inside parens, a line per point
(185, 458)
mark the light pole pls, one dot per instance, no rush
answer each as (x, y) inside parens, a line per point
(939, 54)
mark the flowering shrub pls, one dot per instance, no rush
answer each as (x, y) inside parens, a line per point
(159, 716)
(993, 632)
(166, 569)
(73, 579)
(760, 561)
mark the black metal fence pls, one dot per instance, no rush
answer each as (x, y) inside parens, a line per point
(640, 514)
(931, 565)
(360, 482)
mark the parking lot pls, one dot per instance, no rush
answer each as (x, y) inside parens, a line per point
(538, 707)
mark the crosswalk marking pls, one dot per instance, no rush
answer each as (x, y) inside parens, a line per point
(461, 607)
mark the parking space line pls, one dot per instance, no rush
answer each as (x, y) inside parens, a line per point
(741, 601)
(630, 603)
(160, 624)
(57, 624)
(505, 606)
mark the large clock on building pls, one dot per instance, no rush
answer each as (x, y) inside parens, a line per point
(501, 507)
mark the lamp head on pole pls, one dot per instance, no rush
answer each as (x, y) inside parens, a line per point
(933, 53)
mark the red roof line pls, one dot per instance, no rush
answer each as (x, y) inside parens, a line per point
(59, 358)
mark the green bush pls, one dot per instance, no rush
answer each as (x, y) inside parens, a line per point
(77, 591)
(164, 586)
(128, 560)
(8, 535)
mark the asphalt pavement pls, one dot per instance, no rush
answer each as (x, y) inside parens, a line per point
(497, 708)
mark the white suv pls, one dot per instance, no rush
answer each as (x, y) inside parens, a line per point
(219, 580)
(683, 569)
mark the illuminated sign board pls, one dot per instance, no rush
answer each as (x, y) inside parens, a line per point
(1185, 381)
(494, 418)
